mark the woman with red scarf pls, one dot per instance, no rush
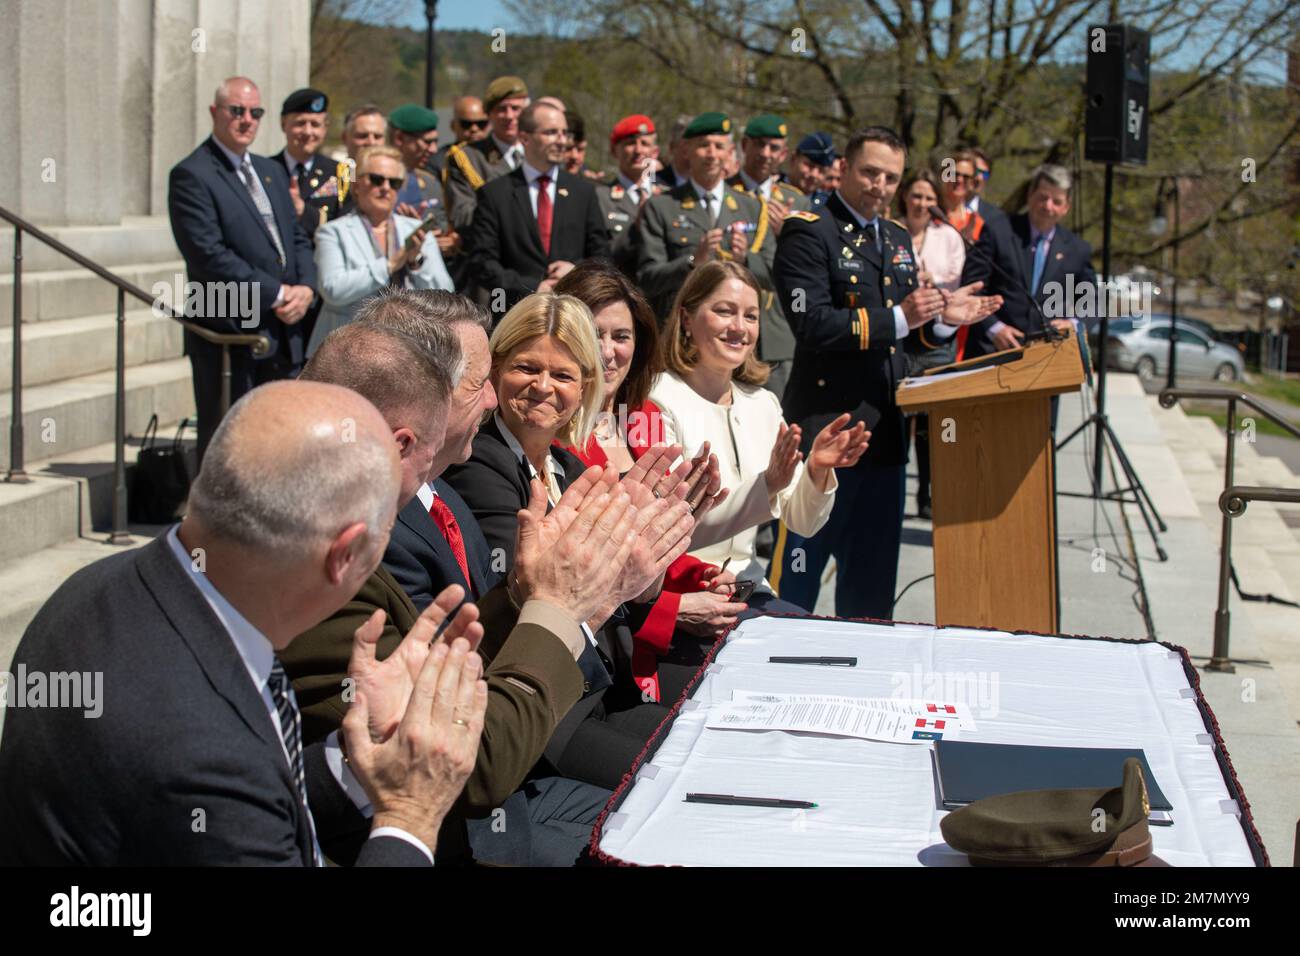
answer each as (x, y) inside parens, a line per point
(695, 598)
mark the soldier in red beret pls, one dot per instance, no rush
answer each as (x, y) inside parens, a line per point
(634, 146)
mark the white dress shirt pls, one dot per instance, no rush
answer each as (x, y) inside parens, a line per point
(258, 655)
(741, 435)
(715, 197)
(513, 155)
(764, 190)
(532, 176)
(631, 189)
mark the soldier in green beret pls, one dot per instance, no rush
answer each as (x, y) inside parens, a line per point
(701, 219)
(764, 150)
(413, 129)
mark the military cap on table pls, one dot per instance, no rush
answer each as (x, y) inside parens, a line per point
(305, 100)
(1098, 827)
(629, 126)
(707, 124)
(413, 118)
(503, 88)
(766, 126)
(818, 147)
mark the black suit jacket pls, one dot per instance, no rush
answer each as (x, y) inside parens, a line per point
(421, 560)
(495, 485)
(223, 238)
(505, 246)
(318, 189)
(1005, 242)
(184, 766)
(839, 294)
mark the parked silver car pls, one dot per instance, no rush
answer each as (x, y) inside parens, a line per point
(1143, 347)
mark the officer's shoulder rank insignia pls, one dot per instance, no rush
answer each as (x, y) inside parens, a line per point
(803, 214)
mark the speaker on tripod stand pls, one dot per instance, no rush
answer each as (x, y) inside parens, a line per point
(1116, 131)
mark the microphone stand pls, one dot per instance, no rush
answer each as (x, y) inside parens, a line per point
(1101, 422)
(1045, 330)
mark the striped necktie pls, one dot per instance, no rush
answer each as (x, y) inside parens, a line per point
(263, 204)
(291, 733)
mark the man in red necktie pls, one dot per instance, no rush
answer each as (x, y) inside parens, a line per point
(532, 225)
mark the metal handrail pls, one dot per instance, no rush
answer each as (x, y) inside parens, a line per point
(1233, 500)
(259, 343)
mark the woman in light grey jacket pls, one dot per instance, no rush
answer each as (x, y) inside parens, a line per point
(372, 249)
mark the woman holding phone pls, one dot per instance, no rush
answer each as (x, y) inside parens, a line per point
(712, 391)
(373, 248)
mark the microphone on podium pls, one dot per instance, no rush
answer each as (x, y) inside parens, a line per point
(1046, 332)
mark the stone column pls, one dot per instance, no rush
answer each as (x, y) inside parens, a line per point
(100, 99)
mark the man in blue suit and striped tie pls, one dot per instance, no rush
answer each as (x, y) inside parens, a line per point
(244, 246)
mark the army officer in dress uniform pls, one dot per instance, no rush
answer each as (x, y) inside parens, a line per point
(700, 220)
(621, 196)
(848, 280)
(317, 184)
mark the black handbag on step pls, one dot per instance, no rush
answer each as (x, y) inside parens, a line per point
(161, 481)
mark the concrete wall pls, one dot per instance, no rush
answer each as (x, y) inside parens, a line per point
(100, 99)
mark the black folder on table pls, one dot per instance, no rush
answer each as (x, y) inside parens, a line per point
(968, 771)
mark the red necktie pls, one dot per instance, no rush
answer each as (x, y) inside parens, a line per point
(544, 212)
(443, 517)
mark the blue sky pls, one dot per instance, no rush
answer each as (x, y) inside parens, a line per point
(486, 14)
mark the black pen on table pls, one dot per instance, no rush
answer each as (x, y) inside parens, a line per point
(827, 661)
(728, 799)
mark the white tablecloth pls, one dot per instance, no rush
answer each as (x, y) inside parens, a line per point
(877, 803)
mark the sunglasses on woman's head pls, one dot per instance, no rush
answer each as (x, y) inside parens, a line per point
(237, 112)
(377, 180)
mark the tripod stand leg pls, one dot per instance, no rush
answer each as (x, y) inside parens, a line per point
(1131, 474)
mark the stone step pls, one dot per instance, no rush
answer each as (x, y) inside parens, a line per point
(136, 239)
(66, 348)
(27, 583)
(69, 496)
(72, 293)
(78, 413)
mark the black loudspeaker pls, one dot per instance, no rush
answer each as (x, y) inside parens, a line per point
(1119, 79)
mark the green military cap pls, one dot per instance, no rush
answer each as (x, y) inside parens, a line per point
(1095, 827)
(503, 88)
(413, 118)
(707, 123)
(767, 126)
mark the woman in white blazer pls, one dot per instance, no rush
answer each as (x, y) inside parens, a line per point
(712, 391)
(371, 248)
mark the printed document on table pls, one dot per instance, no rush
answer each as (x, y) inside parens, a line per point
(958, 712)
(840, 720)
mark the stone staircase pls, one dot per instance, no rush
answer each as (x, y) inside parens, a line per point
(58, 522)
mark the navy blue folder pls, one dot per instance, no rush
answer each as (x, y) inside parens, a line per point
(969, 771)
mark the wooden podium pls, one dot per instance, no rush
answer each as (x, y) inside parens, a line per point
(993, 487)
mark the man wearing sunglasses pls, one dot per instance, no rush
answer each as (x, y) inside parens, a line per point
(470, 124)
(470, 165)
(236, 227)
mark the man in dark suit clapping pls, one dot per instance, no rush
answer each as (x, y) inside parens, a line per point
(236, 227)
(533, 224)
(1033, 262)
(194, 752)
